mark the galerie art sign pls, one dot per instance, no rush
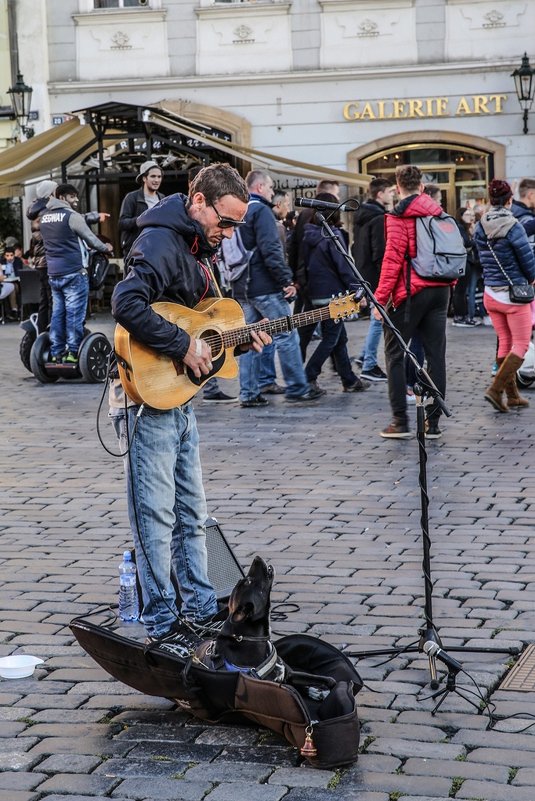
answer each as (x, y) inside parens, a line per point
(413, 108)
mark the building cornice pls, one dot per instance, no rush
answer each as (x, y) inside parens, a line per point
(302, 76)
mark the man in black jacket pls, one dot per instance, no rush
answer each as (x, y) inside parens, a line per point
(171, 260)
(368, 251)
(135, 203)
(267, 290)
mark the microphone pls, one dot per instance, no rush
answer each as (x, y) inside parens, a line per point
(432, 649)
(323, 205)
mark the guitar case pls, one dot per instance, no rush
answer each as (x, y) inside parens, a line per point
(322, 723)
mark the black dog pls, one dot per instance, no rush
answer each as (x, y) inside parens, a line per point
(244, 642)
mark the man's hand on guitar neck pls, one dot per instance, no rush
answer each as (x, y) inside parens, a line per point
(258, 339)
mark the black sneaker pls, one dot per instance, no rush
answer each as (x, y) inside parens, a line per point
(461, 322)
(375, 374)
(210, 626)
(258, 401)
(357, 361)
(311, 395)
(181, 640)
(432, 431)
(219, 397)
(357, 386)
(316, 387)
(272, 389)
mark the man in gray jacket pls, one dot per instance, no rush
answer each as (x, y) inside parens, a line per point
(67, 239)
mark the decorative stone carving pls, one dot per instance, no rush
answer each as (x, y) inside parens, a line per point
(120, 41)
(495, 19)
(243, 35)
(368, 29)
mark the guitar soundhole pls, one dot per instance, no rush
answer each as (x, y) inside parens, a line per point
(214, 340)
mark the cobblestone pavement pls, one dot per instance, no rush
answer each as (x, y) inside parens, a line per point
(335, 509)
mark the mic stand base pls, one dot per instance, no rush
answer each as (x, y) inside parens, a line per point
(451, 687)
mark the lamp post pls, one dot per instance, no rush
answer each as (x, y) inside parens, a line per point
(525, 87)
(21, 100)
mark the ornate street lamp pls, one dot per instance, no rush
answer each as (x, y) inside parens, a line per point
(525, 87)
(21, 100)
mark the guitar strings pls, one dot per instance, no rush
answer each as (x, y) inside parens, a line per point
(241, 336)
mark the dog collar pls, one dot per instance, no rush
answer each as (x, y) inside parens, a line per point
(261, 670)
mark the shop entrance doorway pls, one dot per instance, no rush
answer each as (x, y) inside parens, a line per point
(462, 173)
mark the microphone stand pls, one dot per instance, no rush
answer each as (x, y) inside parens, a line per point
(426, 393)
(451, 687)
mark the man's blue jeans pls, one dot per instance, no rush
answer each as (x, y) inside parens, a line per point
(286, 345)
(167, 512)
(371, 345)
(266, 373)
(69, 305)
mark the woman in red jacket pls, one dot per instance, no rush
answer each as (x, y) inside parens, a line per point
(426, 310)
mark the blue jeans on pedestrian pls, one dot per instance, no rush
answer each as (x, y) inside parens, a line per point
(167, 512)
(69, 305)
(286, 344)
(371, 345)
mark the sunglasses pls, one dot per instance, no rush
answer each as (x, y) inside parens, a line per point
(226, 222)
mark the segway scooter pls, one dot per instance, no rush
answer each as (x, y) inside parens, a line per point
(92, 366)
(31, 332)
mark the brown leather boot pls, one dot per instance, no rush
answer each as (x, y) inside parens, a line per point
(514, 398)
(507, 371)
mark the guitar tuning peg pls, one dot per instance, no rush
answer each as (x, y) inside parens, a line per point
(340, 295)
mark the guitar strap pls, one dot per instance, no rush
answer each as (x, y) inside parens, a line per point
(212, 278)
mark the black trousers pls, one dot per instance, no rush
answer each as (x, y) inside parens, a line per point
(427, 313)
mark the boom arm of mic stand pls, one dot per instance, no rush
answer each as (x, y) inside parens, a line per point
(424, 378)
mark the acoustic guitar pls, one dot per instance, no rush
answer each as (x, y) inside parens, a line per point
(163, 383)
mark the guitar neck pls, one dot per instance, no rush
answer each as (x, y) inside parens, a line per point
(242, 336)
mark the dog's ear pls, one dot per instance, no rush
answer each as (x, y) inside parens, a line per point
(241, 613)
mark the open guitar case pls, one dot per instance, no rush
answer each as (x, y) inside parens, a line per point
(324, 725)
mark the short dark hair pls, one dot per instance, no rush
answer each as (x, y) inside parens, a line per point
(217, 180)
(324, 186)
(525, 185)
(432, 189)
(66, 189)
(409, 177)
(334, 216)
(9, 249)
(379, 185)
(194, 171)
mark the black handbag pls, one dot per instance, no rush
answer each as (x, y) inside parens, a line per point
(518, 293)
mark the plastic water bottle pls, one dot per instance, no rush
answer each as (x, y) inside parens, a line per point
(128, 600)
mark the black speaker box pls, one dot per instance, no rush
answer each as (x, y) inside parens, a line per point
(224, 570)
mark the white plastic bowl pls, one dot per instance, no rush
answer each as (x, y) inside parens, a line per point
(18, 666)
